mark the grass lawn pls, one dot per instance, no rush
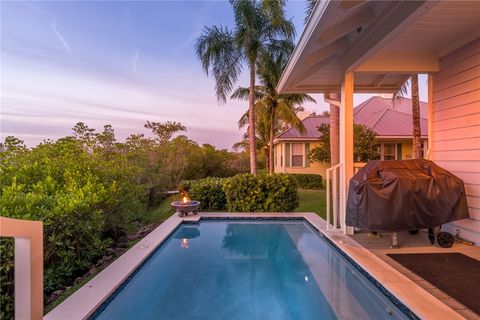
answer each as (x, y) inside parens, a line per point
(162, 212)
(312, 201)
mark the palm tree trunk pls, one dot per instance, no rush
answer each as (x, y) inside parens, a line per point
(251, 121)
(270, 144)
(334, 134)
(417, 139)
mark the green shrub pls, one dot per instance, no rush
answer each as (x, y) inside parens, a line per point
(208, 191)
(6, 278)
(262, 193)
(81, 198)
(307, 181)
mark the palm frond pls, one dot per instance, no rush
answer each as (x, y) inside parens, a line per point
(402, 91)
(243, 120)
(219, 53)
(309, 9)
(242, 93)
(274, 10)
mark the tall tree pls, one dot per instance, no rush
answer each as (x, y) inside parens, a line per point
(260, 26)
(365, 146)
(416, 133)
(277, 110)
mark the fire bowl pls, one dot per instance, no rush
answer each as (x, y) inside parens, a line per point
(185, 208)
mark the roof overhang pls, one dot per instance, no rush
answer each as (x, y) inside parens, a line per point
(409, 137)
(383, 42)
(278, 140)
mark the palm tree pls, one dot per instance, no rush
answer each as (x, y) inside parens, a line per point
(261, 132)
(417, 135)
(260, 26)
(276, 111)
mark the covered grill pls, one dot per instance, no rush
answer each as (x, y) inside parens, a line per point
(404, 195)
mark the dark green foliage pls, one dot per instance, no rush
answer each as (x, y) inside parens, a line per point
(6, 278)
(365, 146)
(88, 190)
(262, 193)
(244, 193)
(208, 191)
(307, 181)
(76, 196)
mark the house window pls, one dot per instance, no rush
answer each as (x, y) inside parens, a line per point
(281, 155)
(298, 151)
(275, 151)
(424, 149)
(389, 151)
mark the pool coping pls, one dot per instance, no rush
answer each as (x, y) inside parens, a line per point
(84, 302)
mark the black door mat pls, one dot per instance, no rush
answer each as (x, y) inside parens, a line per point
(454, 273)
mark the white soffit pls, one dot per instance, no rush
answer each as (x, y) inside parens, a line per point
(382, 41)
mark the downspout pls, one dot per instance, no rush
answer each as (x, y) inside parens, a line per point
(332, 98)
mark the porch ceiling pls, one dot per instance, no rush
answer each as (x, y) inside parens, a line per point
(382, 41)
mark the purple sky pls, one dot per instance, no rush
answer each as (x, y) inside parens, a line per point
(119, 63)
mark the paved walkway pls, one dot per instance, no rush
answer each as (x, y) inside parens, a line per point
(418, 244)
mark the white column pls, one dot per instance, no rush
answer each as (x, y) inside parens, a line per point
(428, 152)
(23, 274)
(28, 265)
(346, 144)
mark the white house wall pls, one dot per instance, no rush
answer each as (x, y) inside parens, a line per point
(456, 128)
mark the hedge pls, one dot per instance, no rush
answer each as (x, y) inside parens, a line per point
(81, 200)
(307, 181)
(245, 193)
(208, 191)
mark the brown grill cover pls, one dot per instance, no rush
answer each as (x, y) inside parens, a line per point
(404, 195)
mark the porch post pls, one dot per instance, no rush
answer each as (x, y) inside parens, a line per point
(28, 265)
(428, 152)
(346, 144)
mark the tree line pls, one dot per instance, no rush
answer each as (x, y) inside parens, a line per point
(89, 189)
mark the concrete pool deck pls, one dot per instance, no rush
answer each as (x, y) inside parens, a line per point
(84, 302)
(418, 244)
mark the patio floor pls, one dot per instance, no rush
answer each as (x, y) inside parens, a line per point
(418, 244)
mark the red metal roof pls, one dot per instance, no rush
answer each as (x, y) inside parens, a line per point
(378, 113)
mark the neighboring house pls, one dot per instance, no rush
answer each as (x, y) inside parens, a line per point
(391, 122)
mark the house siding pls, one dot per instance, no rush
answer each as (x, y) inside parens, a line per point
(313, 167)
(456, 128)
(321, 167)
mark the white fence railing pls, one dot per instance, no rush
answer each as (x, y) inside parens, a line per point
(332, 175)
(336, 221)
(357, 166)
(28, 272)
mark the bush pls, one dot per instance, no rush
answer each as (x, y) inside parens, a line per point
(89, 190)
(307, 181)
(208, 191)
(263, 193)
(80, 197)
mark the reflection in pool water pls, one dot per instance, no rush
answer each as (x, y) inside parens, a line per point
(248, 270)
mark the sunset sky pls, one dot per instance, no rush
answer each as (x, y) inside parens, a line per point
(118, 63)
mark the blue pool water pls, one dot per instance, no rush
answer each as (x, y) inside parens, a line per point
(242, 269)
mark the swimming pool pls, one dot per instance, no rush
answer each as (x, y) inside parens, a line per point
(247, 269)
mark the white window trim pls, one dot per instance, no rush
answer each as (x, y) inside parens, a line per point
(303, 155)
(382, 150)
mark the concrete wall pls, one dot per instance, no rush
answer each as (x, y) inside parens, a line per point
(456, 128)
